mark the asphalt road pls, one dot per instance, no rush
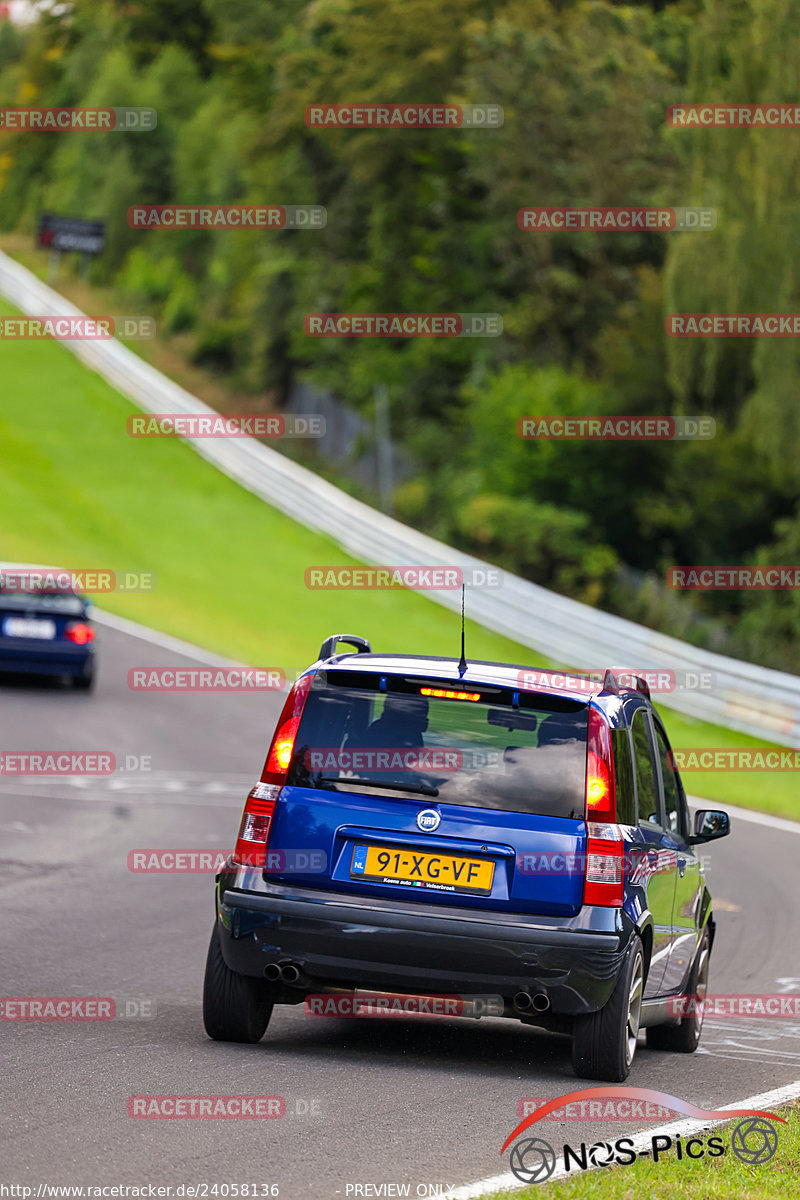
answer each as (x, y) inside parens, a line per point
(367, 1102)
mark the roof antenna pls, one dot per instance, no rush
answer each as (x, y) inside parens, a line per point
(462, 666)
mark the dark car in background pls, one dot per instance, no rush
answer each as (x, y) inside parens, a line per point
(426, 827)
(45, 630)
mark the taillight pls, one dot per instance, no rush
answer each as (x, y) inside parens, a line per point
(605, 850)
(251, 844)
(605, 864)
(79, 632)
(601, 797)
(259, 808)
(282, 746)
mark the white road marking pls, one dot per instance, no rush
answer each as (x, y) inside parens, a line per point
(746, 1043)
(189, 789)
(164, 640)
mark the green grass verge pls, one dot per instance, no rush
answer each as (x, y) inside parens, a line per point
(229, 569)
(76, 490)
(722, 1178)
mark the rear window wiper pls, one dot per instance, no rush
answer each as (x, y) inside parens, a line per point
(422, 789)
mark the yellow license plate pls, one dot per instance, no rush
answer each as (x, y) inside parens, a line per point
(413, 868)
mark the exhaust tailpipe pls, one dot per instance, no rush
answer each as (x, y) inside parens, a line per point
(524, 1002)
(272, 972)
(291, 974)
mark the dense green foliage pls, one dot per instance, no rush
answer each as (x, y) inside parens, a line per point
(426, 221)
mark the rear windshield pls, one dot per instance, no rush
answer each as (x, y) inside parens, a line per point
(477, 752)
(57, 602)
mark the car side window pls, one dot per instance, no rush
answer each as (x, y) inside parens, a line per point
(623, 776)
(646, 788)
(672, 791)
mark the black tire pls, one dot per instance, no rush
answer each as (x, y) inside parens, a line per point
(604, 1042)
(84, 683)
(685, 1037)
(235, 1007)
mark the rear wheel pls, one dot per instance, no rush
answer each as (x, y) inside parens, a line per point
(84, 683)
(685, 1038)
(235, 1007)
(604, 1042)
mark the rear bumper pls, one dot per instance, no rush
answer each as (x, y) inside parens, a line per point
(22, 657)
(414, 947)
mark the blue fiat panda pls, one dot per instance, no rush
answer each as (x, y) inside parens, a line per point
(426, 827)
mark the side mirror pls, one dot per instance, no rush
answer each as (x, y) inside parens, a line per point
(710, 824)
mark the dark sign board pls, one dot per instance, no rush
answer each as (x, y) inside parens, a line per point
(71, 233)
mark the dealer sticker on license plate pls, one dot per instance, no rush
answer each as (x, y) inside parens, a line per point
(411, 868)
(24, 627)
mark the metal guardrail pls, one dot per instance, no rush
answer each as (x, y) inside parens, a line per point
(755, 700)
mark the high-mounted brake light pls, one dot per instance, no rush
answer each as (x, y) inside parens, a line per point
(605, 850)
(79, 632)
(440, 694)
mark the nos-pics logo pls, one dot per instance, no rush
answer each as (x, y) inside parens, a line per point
(533, 1160)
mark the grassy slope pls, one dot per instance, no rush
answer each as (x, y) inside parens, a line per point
(229, 569)
(76, 490)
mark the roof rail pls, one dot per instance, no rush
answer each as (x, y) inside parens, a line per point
(615, 680)
(328, 648)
